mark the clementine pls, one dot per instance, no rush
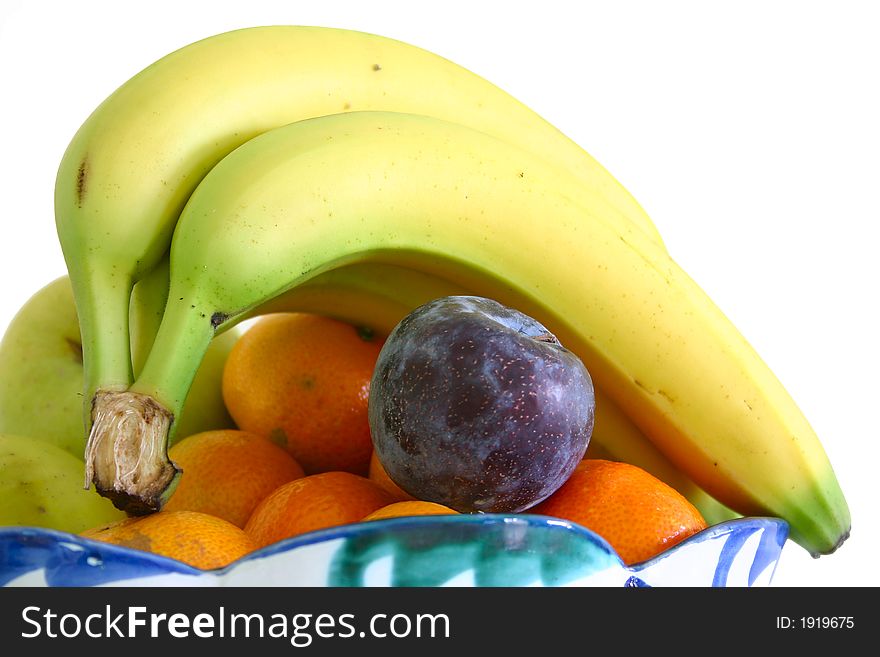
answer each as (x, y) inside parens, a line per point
(314, 502)
(226, 473)
(411, 508)
(197, 539)
(378, 474)
(303, 380)
(639, 515)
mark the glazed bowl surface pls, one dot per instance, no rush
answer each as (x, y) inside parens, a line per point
(487, 550)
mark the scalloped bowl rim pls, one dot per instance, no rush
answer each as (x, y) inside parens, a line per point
(390, 525)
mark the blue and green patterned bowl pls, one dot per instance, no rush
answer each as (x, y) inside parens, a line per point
(465, 550)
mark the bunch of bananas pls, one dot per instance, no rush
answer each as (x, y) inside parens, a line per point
(324, 170)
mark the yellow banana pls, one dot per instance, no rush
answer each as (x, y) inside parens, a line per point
(132, 165)
(448, 200)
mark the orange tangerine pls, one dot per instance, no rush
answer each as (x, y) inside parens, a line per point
(303, 380)
(197, 539)
(226, 473)
(378, 474)
(639, 515)
(323, 500)
(410, 508)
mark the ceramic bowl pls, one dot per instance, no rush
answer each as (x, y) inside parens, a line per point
(465, 550)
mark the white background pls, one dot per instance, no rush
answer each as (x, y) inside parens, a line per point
(748, 131)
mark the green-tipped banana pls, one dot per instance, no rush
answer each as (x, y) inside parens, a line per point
(442, 198)
(132, 165)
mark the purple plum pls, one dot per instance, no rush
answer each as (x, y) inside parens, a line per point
(477, 406)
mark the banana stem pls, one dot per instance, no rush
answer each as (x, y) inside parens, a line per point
(127, 453)
(185, 335)
(117, 456)
(126, 456)
(103, 311)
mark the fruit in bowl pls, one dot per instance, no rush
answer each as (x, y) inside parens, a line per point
(647, 334)
(309, 512)
(274, 197)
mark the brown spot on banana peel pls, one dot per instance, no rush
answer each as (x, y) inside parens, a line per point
(77, 349)
(218, 318)
(660, 392)
(82, 177)
(665, 394)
